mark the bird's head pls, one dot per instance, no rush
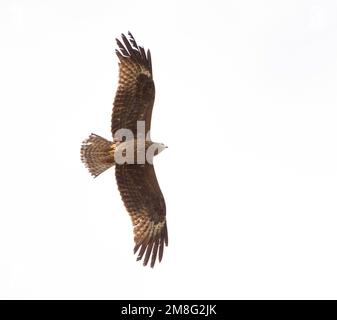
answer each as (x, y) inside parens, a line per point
(152, 149)
(158, 147)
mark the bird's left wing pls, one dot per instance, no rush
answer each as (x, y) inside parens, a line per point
(145, 203)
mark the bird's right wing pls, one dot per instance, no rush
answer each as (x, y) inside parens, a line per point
(136, 92)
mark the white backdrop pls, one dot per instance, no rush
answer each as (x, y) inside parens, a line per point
(245, 100)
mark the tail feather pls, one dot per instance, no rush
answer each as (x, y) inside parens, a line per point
(97, 154)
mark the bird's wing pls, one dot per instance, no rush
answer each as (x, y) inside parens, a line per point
(135, 94)
(145, 203)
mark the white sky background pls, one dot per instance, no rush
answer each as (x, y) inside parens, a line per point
(246, 101)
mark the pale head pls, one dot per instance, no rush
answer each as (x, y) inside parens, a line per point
(158, 147)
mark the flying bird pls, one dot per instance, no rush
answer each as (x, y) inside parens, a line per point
(136, 179)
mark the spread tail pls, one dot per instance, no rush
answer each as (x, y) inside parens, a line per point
(97, 154)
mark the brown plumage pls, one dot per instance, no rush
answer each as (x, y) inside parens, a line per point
(135, 94)
(136, 182)
(97, 154)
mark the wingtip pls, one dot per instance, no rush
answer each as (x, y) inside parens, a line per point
(129, 48)
(152, 250)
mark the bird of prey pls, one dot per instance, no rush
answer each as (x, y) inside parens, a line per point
(136, 179)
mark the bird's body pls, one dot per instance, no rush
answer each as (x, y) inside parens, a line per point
(132, 151)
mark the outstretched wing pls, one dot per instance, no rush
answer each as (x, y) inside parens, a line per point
(135, 94)
(145, 203)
